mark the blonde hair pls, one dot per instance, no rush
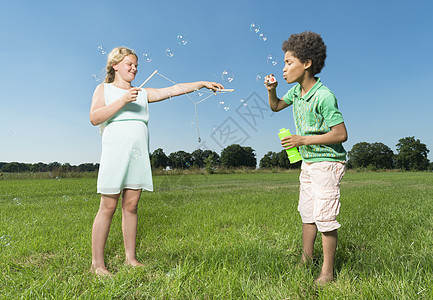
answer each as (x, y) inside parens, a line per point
(114, 57)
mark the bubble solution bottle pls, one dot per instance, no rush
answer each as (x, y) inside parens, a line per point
(292, 153)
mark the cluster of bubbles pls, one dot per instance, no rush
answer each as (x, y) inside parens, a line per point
(182, 40)
(255, 28)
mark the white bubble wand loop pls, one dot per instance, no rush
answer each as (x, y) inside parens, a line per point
(186, 94)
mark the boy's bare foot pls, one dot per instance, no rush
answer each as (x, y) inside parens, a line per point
(133, 263)
(100, 272)
(323, 279)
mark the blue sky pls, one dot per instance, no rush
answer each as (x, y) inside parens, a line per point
(379, 67)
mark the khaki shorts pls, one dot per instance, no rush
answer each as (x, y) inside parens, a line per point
(319, 193)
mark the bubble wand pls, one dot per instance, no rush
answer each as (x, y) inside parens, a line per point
(148, 78)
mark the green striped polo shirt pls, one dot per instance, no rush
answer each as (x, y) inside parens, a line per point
(315, 113)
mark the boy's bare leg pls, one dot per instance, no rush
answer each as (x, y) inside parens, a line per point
(100, 230)
(329, 241)
(309, 232)
(129, 224)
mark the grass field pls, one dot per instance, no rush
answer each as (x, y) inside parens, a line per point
(220, 236)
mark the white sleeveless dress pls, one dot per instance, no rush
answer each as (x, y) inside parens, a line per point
(125, 162)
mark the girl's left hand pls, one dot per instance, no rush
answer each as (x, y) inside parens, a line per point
(214, 86)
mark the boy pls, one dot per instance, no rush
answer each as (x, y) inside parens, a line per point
(321, 130)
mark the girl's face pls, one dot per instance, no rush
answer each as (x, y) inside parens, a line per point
(294, 70)
(127, 68)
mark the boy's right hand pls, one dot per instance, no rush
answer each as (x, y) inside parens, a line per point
(270, 82)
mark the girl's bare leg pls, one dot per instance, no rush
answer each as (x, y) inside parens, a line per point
(100, 230)
(129, 224)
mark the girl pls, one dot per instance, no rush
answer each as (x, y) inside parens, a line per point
(122, 110)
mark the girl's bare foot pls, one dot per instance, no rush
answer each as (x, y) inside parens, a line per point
(133, 263)
(100, 272)
(324, 279)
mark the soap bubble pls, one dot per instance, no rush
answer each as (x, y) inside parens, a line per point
(227, 75)
(198, 93)
(135, 153)
(169, 52)
(243, 102)
(271, 60)
(66, 198)
(215, 130)
(260, 78)
(58, 178)
(254, 27)
(101, 50)
(188, 164)
(17, 201)
(223, 105)
(146, 57)
(181, 39)
(5, 240)
(96, 77)
(263, 37)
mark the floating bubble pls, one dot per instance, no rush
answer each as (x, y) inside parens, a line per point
(58, 178)
(169, 52)
(215, 130)
(254, 27)
(146, 57)
(271, 60)
(181, 39)
(260, 78)
(263, 37)
(85, 199)
(188, 164)
(227, 75)
(223, 105)
(96, 77)
(101, 50)
(5, 240)
(135, 153)
(17, 201)
(243, 102)
(66, 198)
(50, 174)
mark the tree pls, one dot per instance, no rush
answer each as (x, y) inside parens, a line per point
(375, 155)
(179, 160)
(234, 156)
(158, 159)
(382, 156)
(269, 160)
(411, 154)
(360, 156)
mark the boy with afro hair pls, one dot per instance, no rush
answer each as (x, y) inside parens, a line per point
(320, 133)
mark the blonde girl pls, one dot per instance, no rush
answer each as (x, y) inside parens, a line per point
(125, 170)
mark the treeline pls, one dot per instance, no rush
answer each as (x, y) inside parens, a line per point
(411, 155)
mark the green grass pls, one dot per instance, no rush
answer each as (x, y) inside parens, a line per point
(220, 236)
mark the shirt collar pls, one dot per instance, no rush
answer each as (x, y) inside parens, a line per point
(311, 92)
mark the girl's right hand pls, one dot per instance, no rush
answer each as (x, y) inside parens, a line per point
(131, 95)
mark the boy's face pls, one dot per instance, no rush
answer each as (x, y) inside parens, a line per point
(294, 70)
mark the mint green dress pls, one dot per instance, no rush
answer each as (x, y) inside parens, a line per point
(125, 162)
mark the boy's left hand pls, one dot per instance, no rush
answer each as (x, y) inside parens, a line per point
(292, 141)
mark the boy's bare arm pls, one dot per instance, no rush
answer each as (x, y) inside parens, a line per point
(337, 135)
(275, 103)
